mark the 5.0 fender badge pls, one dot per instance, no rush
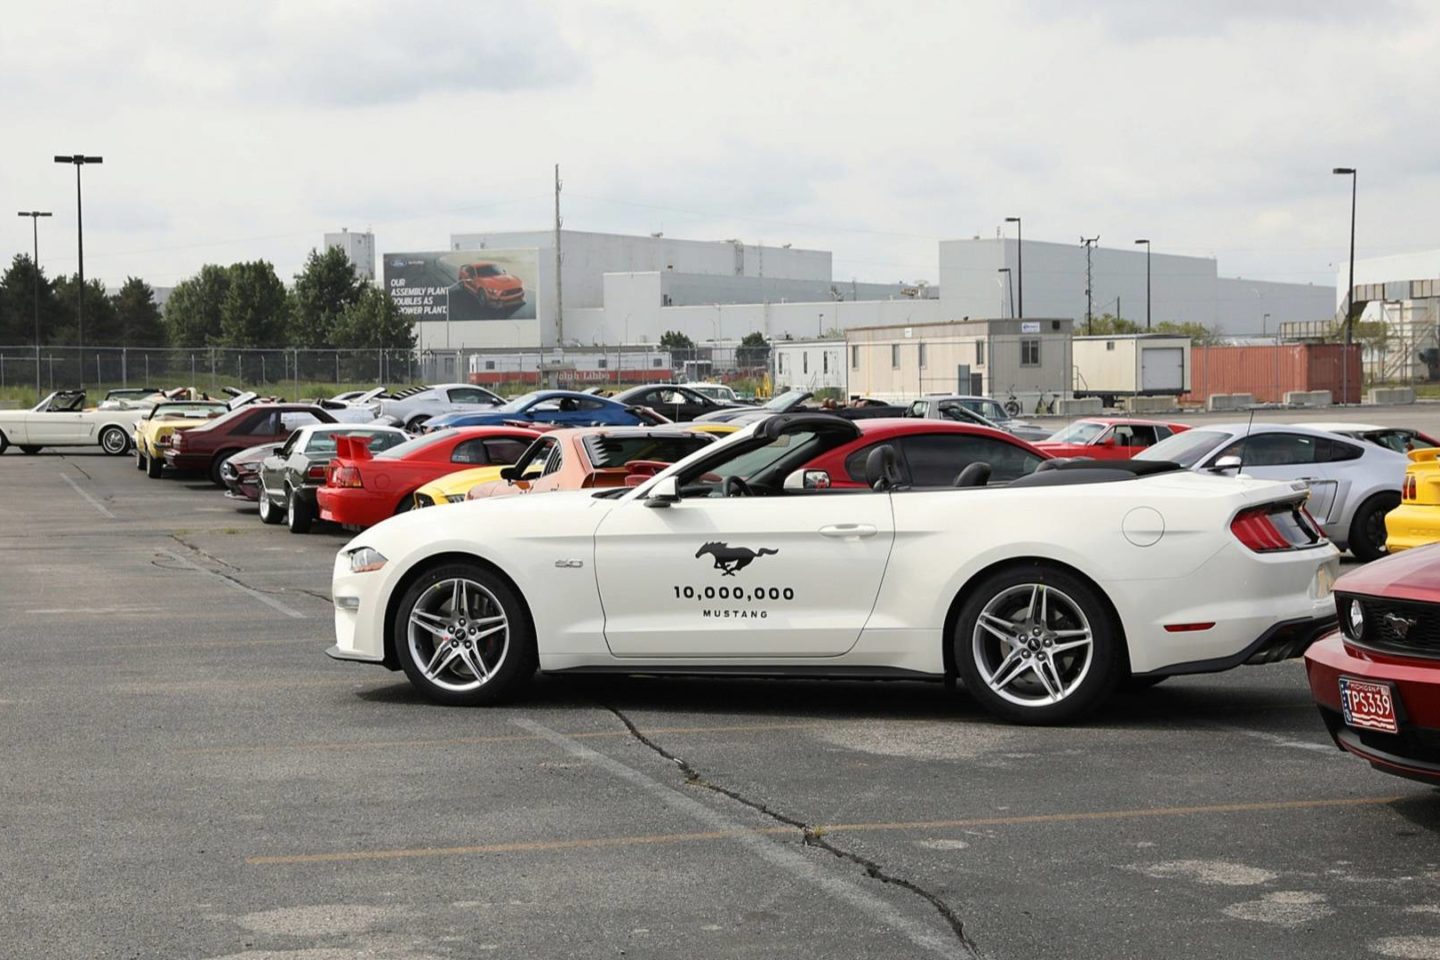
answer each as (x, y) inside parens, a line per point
(729, 559)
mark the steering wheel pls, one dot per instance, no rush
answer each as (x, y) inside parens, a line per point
(737, 487)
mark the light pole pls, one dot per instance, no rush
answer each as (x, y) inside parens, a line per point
(1147, 283)
(35, 216)
(1264, 321)
(79, 160)
(1019, 262)
(1009, 284)
(1349, 290)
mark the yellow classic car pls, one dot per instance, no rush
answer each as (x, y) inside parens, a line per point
(1416, 521)
(155, 431)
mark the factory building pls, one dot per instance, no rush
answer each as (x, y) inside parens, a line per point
(1399, 295)
(359, 247)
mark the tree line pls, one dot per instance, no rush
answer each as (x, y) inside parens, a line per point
(241, 305)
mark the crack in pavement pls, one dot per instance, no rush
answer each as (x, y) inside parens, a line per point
(204, 553)
(809, 835)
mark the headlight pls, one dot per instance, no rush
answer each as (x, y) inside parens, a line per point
(366, 559)
(1356, 620)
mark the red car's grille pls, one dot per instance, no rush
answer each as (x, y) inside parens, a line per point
(1396, 626)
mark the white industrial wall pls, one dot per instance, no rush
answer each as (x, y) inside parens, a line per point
(1242, 304)
(359, 247)
(587, 257)
(1422, 265)
(1183, 289)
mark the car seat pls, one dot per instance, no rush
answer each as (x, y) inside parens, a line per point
(882, 469)
(976, 474)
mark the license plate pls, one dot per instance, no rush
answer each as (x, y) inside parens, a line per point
(1367, 705)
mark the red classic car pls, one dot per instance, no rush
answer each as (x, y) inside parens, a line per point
(361, 490)
(1108, 438)
(491, 285)
(209, 445)
(1377, 680)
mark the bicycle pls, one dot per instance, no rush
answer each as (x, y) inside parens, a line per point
(1045, 403)
(1012, 406)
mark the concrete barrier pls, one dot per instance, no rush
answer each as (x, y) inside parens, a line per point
(1080, 407)
(1149, 404)
(1230, 401)
(1389, 395)
(1308, 398)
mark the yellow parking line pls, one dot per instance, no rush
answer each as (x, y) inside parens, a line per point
(496, 738)
(673, 838)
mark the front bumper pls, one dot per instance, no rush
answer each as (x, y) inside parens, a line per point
(1412, 525)
(1414, 752)
(242, 488)
(359, 617)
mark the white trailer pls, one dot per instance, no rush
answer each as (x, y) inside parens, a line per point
(1131, 365)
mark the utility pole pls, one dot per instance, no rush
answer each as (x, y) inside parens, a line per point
(35, 216)
(1349, 292)
(79, 160)
(1019, 263)
(559, 299)
(1089, 244)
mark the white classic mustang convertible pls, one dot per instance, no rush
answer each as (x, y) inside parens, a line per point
(754, 557)
(61, 420)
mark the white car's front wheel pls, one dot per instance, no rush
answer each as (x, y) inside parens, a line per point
(1036, 644)
(463, 637)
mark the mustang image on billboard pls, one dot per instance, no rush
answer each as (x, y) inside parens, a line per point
(462, 285)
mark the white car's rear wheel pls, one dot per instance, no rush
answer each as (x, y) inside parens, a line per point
(1036, 645)
(463, 637)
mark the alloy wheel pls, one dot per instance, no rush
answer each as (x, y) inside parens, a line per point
(458, 634)
(1033, 645)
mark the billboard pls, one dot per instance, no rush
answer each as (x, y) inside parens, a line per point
(456, 285)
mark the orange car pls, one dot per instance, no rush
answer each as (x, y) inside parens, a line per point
(491, 285)
(592, 457)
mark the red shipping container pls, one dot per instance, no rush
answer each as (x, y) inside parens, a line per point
(1269, 371)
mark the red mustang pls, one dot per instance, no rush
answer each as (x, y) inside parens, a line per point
(928, 453)
(361, 490)
(1377, 680)
(1108, 438)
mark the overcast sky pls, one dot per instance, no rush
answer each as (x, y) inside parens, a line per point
(244, 131)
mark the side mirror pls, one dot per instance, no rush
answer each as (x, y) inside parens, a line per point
(1224, 464)
(664, 493)
(802, 479)
(510, 473)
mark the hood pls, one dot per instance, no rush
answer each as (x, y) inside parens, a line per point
(470, 522)
(504, 282)
(158, 427)
(1408, 575)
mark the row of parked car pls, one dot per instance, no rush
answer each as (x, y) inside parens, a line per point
(1116, 550)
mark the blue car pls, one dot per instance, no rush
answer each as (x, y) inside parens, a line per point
(561, 407)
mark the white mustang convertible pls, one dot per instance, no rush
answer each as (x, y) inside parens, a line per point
(61, 420)
(797, 548)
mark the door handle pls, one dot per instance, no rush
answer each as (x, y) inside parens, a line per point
(848, 531)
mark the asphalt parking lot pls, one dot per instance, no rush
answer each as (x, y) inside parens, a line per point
(185, 774)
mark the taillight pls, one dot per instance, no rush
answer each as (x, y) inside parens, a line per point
(1409, 487)
(316, 472)
(1275, 527)
(344, 476)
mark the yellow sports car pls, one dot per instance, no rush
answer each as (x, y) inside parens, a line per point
(155, 431)
(1416, 521)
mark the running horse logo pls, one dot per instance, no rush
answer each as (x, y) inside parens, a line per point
(728, 559)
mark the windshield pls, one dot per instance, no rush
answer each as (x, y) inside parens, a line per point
(757, 465)
(323, 442)
(520, 402)
(487, 270)
(1081, 432)
(185, 411)
(786, 400)
(1186, 449)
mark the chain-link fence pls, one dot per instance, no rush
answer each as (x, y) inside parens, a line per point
(286, 372)
(296, 373)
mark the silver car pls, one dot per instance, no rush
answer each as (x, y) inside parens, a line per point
(1353, 484)
(410, 408)
(943, 407)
